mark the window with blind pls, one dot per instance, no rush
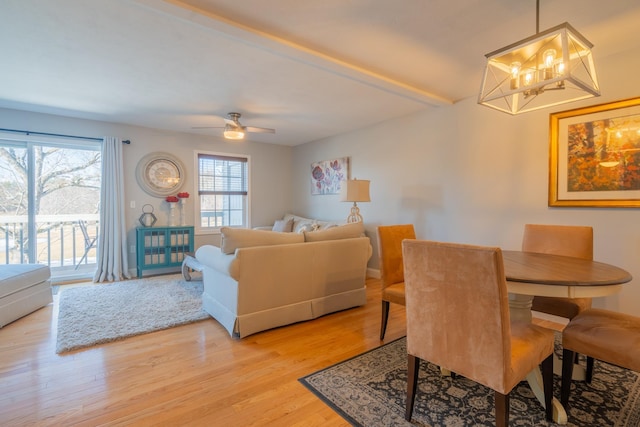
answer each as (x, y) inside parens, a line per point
(223, 190)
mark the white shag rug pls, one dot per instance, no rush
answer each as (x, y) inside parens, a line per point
(101, 313)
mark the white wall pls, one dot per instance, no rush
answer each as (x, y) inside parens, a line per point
(470, 174)
(270, 182)
(462, 173)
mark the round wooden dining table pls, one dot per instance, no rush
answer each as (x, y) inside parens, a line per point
(529, 274)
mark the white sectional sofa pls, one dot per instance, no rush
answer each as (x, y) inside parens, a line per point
(262, 279)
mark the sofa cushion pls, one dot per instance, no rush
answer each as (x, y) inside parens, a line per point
(283, 225)
(234, 238)
(17, 277)
(347, 231)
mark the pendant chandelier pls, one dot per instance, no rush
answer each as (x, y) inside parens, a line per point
(549, 68)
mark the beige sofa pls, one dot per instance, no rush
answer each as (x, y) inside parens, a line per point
(261, 279)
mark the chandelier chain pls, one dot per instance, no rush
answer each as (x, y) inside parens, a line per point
(537, 16)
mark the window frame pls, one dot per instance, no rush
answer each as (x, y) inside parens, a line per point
(28, 142)
(199, 229)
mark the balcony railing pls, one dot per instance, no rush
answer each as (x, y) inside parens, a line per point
(59, 243)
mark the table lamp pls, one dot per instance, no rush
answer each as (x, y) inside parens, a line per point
(355, 190)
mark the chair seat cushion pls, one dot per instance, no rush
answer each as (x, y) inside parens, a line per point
(529, 344)
(394, 293)
(605, 335)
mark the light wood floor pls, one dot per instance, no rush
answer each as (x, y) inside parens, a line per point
(189, 375)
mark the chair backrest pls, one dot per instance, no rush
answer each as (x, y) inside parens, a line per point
(457, 309)
(390, 239)
(568, 240)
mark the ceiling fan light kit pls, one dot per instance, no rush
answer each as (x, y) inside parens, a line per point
(234, 130)
(549, 68)
(231, 132)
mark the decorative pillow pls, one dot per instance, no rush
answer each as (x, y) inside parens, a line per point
(302, 226)
(283, 225)
(235, 238)
(347, 231)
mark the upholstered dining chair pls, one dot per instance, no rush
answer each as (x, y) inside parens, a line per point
(605, 335)
(390, 239)
(458, 317)
(568, 240)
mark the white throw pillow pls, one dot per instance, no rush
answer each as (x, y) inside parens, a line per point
(235, 238)
(283, 225)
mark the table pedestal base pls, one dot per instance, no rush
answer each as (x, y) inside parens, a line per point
(520, 311)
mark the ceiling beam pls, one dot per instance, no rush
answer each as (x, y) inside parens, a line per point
(293, 51)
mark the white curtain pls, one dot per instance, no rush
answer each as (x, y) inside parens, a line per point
(112, 241)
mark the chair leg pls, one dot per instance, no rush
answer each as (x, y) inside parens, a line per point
(385, 317)
(547, 379)
(84, 256)
(502, 409)
(413, 367)
(567, 372)
(589, 373)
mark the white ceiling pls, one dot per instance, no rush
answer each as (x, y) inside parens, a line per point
(309, 69)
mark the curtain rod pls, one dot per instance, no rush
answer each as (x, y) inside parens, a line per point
(28, 132)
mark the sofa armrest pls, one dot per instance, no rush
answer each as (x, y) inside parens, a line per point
(212, 257)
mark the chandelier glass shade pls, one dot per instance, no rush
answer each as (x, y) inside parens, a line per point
(549, 68)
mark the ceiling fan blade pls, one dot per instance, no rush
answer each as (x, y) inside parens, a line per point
(259, 130)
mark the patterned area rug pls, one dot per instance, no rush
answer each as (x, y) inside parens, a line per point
(370, 390)
(96, 314)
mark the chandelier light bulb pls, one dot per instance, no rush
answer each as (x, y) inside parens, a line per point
(549, 57)
(515, 73)
(528, 78)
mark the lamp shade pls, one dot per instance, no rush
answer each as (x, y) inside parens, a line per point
(355, 190)
(549, 68)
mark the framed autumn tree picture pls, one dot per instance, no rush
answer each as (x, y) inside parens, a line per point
(594, 157)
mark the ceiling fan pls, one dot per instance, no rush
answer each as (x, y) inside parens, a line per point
(233, 129)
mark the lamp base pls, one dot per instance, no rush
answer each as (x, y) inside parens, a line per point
(354, 216)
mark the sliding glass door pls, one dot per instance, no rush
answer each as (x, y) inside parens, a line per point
(49, 201)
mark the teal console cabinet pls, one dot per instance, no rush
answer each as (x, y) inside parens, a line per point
(162, 247)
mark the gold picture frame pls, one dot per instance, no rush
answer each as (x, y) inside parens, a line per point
(594, 156)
